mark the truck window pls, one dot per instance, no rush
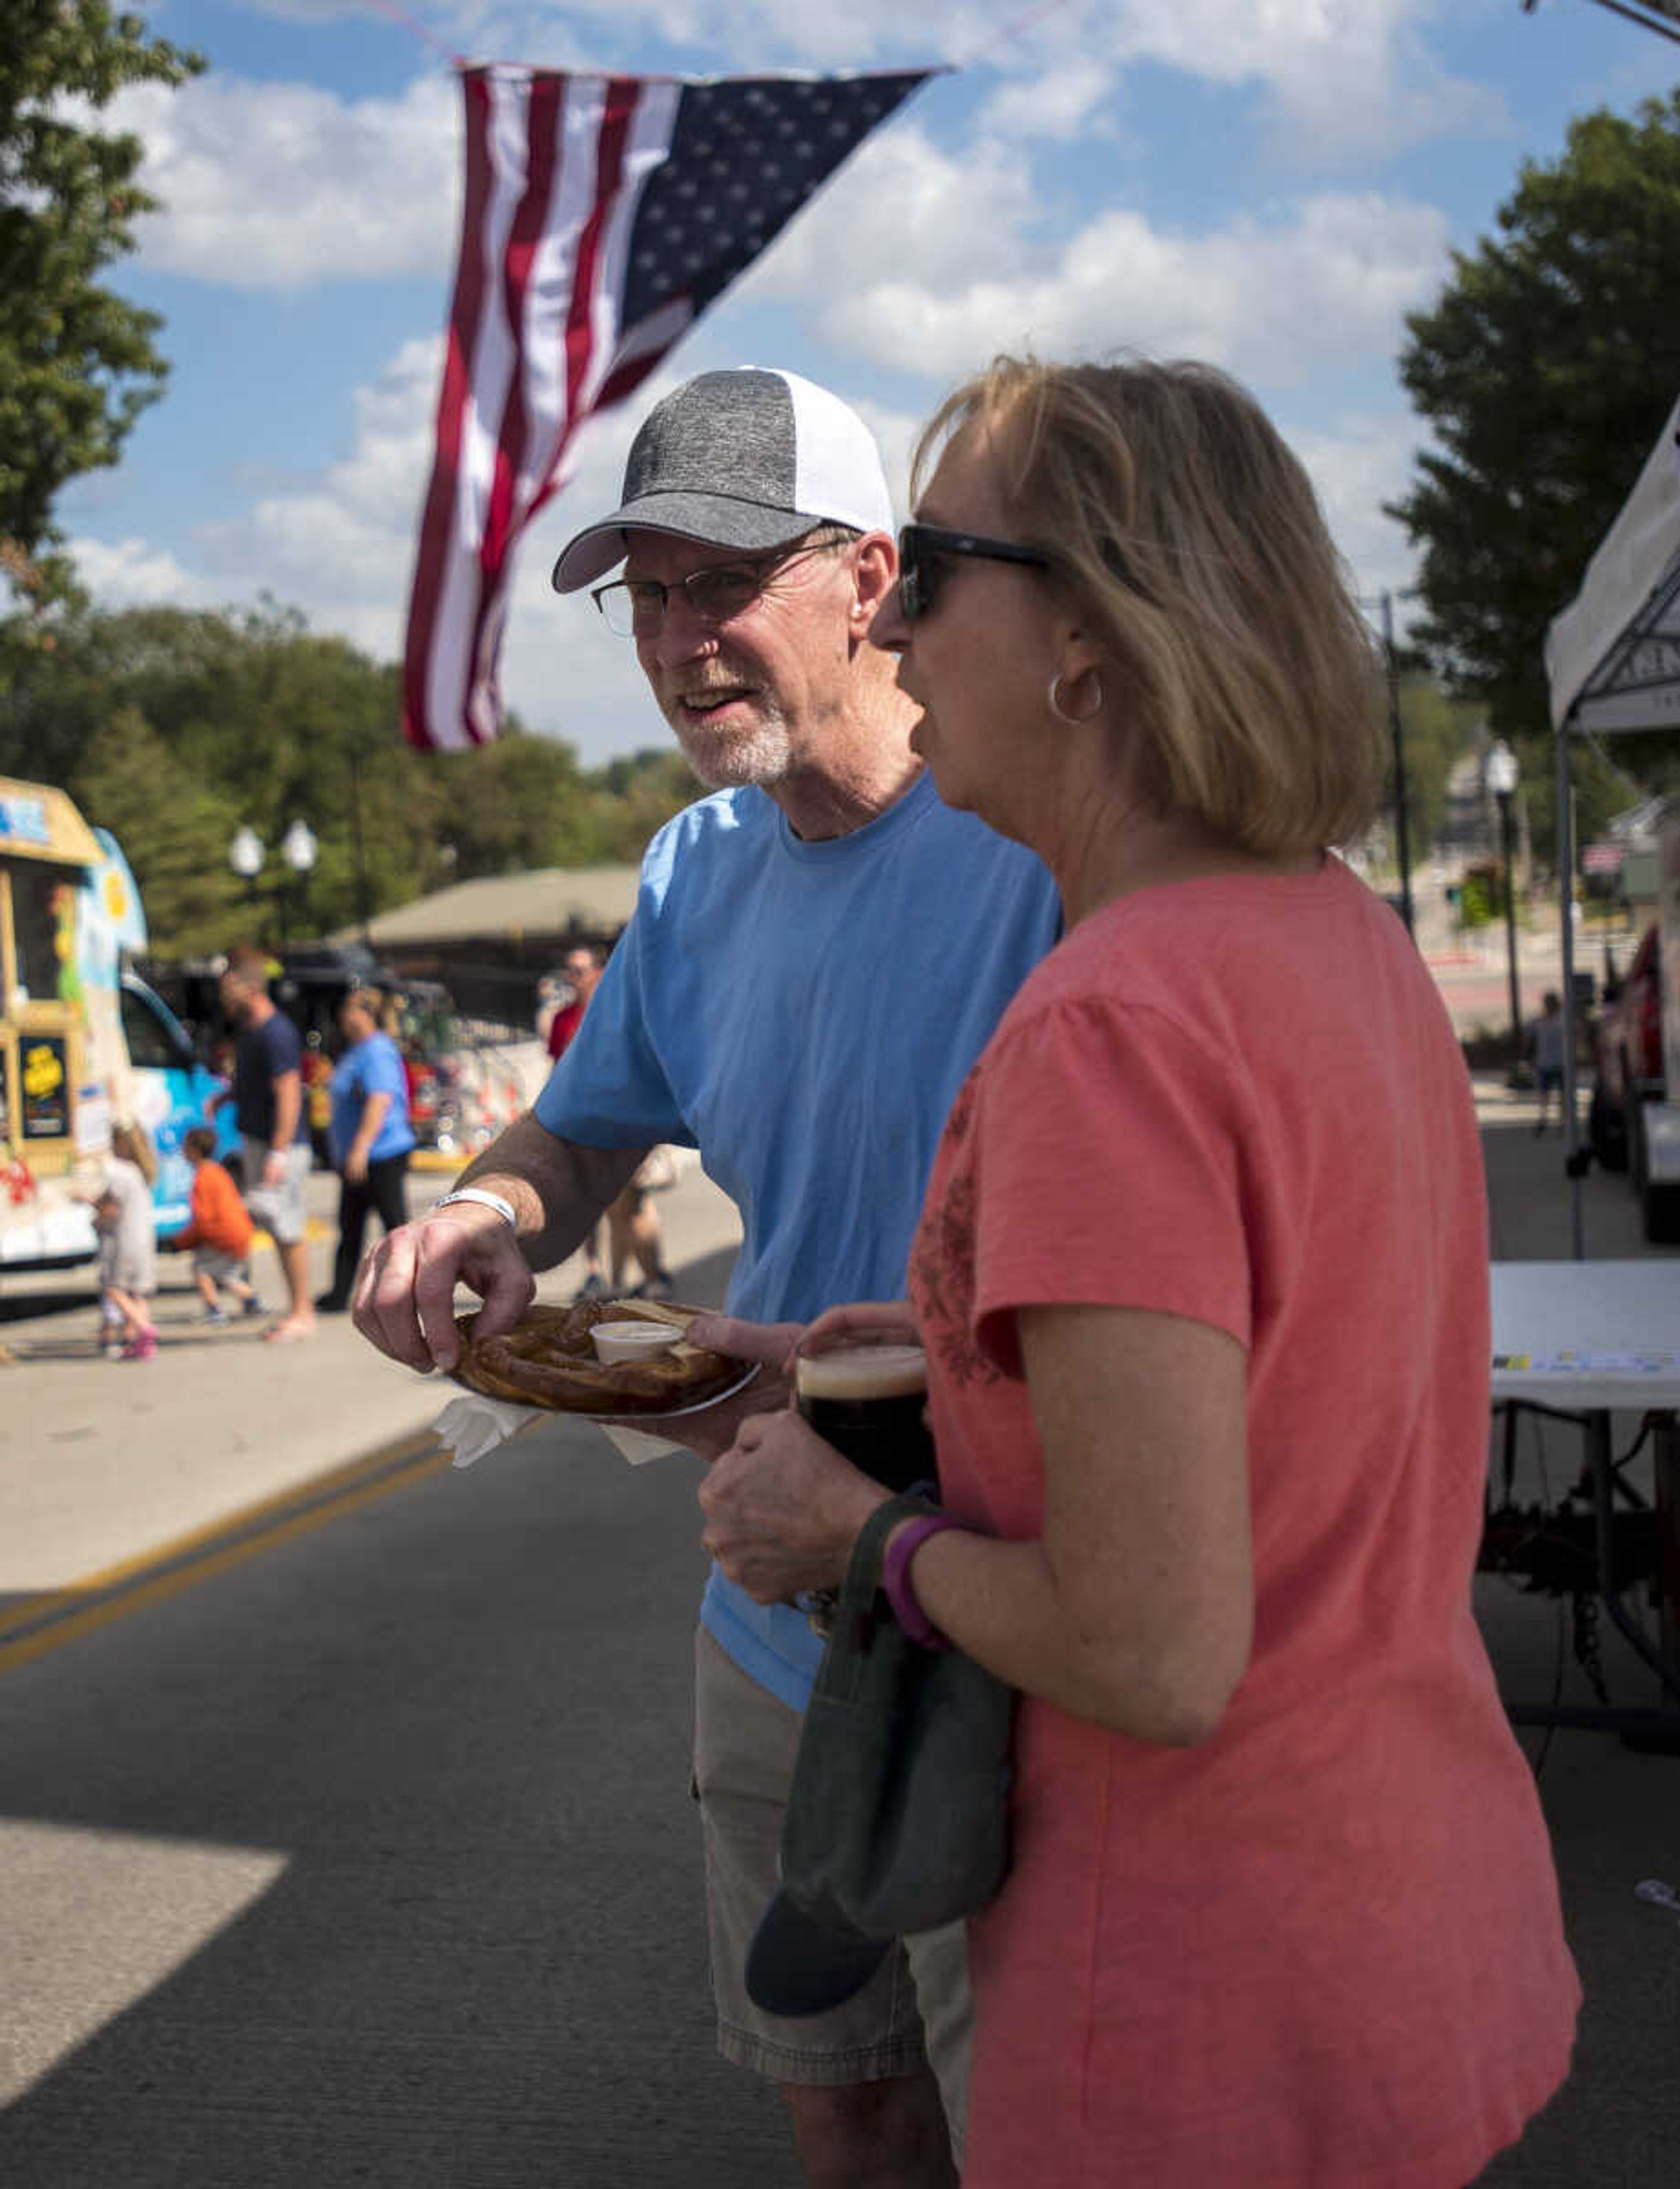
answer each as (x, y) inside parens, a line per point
(151, 1046)
(41, 897)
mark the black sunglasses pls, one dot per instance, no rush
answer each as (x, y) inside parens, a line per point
(926, 552)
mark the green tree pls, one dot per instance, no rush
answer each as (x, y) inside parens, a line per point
(77, 364)
(1545, 372)
(1436, 729)
(174, 728)
(175, 829)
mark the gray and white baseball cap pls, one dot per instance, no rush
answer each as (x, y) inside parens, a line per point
(748, 459)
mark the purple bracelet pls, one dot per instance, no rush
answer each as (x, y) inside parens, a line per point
(895, 1579)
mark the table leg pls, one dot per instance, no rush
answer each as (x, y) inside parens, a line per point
(1665, 1466)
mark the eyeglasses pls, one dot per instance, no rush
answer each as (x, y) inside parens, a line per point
(926, 552)
(634, 608)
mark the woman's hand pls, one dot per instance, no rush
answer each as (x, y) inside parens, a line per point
(782, 1508)
(355, 1165)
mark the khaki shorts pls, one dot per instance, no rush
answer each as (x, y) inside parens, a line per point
(914, 2012)
(278, 1208)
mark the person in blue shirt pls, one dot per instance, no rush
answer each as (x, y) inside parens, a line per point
(819, 950)
(368, 1137)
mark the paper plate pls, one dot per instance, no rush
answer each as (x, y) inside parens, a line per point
(700, 1406)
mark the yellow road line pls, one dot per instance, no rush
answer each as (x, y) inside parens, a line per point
(45, 1623)
(245, 1516)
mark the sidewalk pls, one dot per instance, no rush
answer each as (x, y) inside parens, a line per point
(1614, 1814)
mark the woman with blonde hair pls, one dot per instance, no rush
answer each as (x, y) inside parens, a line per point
(1202, 1278)
(123, 1217)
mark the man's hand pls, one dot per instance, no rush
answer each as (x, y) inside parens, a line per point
(404, 1300)
(273, 1168)
(782, 1508)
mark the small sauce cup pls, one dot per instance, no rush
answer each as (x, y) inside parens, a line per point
(617, 1342)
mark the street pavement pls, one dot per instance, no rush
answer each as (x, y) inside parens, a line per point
(345, 1832)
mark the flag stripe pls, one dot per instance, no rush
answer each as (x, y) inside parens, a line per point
(463, 686)
(533, 219)
(438, 537)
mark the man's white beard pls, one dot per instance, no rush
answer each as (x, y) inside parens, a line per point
(729, 759)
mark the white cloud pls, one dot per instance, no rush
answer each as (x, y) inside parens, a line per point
(267, 185)
(130, 573)
(1061, 102)
(1364, 461)
(1338, 75)
(903, 202)
(1274, 299)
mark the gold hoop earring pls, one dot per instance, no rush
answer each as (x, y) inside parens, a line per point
(1061, 713)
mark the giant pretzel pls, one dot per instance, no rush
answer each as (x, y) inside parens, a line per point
(548, 1359)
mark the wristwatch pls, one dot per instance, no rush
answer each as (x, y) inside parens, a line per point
(505, 1209)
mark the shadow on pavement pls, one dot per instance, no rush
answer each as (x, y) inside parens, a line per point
(373, 1860)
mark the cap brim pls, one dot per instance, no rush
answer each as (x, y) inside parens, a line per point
(713, 520)
(798, 1966)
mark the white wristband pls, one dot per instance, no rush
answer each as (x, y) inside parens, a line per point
(503, 1209)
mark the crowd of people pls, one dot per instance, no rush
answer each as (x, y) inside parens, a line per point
(359, 1105)
(1010, 982)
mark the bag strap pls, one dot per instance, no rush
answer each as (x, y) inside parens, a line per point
(863, 1573)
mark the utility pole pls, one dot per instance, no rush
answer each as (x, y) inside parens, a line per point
(1402, 825)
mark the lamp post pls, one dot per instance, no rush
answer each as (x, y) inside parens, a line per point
(300, 850)
(245, 857)
(1500, 774)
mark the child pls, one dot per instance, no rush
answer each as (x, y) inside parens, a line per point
(1546, 1040)
(220, 1232)
(122, 1212)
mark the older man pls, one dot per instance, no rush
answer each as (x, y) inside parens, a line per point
(819, 950)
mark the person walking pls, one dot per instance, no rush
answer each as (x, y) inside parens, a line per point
(220, 1233)
(123, 1218)
(1202, 1279)
(368, 1136)
(268, 1098)
(818, 950)
(582, 969)
(1546, 1045)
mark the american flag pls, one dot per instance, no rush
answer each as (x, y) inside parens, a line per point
(602, 215)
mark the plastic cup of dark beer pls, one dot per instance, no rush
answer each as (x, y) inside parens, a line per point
(867, 1398)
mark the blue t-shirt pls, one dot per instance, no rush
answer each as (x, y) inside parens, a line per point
(265, 1053)
(803, 1014)
(373, 1066)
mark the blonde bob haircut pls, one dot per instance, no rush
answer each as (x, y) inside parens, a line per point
(1191, 538)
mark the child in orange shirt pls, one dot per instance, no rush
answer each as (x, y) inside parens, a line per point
(220, 1233)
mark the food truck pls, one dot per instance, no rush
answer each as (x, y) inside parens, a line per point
(82, 1041)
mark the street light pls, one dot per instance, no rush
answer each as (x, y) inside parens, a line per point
(1500, 775)
(245, 857)
(300, 850)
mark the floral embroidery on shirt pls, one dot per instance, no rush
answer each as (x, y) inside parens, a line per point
(945, 1252)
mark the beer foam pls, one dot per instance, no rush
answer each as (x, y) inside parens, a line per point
(862, 1372)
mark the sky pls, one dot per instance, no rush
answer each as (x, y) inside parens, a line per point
(1271, 186)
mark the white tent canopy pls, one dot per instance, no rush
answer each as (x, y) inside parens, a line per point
(1613, 656)
(1613, 663)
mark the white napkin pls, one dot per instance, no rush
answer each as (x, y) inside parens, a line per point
(471, 1426)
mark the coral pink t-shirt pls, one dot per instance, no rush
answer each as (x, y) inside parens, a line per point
(1322, 1950)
